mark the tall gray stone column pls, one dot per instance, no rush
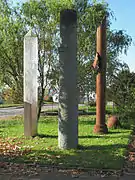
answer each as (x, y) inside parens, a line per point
(30, 84)
(68, 101)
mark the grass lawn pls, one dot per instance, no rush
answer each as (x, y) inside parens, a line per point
(86, 108)
(95, 151)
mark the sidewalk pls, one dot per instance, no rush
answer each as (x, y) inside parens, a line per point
(57, 176)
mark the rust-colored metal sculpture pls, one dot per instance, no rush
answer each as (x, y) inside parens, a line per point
(100, 126)
(113, 122)
(96, 63)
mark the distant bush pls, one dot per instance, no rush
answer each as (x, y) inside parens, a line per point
(1, 101)
(48, 99)
(92, 103)
(10, 96)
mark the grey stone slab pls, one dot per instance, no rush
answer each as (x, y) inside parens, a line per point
(62, 176)
(59, 176)
(19, 178)
(127, 177)
(5, 177)
(68, 101)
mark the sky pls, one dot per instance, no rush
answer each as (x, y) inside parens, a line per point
(125, 14)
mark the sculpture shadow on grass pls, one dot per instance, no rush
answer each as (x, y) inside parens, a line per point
(88, 122)
(102, 136)
(46, 136)
(101, 147)
(84, 137)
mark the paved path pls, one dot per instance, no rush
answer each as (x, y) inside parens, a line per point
(11, 111)
(14, 111)
(59, 176)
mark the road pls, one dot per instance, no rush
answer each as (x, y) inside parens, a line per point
(14, 111)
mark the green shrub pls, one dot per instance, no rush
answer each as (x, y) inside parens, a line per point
(92, 104)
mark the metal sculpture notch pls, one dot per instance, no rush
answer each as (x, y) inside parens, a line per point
(97, 62)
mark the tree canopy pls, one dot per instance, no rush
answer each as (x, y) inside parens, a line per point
(43, 17)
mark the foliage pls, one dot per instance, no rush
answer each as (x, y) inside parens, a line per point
(48, 99)
(38, 17)
(90, 15)
(43, 17)
(93, 104)
(122, 92)
(95, 151)
(12, 31)
(6, 95)
(10, 95)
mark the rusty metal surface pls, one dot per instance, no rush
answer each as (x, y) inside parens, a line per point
(101, 79)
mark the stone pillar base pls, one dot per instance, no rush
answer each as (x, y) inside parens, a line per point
(30, 120)
(100, 129)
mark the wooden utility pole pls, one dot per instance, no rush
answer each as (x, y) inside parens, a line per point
(100, 126)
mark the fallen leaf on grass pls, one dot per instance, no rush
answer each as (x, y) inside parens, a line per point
(58, 156)
(11, 149)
